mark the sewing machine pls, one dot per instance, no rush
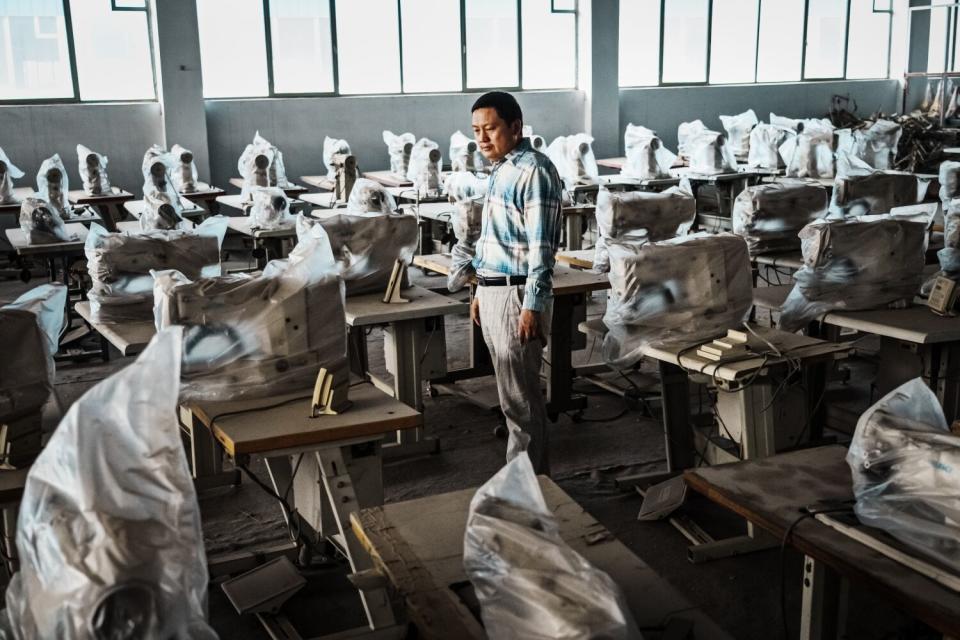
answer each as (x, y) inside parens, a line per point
(93, 171)
(184, 174)
(883, 190)
(345, 172)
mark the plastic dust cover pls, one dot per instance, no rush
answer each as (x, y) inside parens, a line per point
(765, 141)
(251, 336)
(875, 144)
(949, 178)
(641, 216)
(369, 196)
(53, 185)
(531, 585)
(809, 154)
(93, 171)
(184, 172)
(365, 246)
(738, 130)
(949, 256)
(647, 158)
(688, 290)
(686, 132)
(119, 265)
(270, 208)
(769, 216)
(41, 223)
(424, 168)
(464, 155)
(905, 465)
(48, 303)
(573, 157)
(399, 147)
(23, 351)
(261, 165)
(857, 264)
(467, 193)
(880, 190)
(162, 203)
(332, 147)
(537, 142)
(8, 173)
(109, 533)
(709, 152)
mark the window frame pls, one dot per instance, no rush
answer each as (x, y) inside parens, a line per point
(72, 60)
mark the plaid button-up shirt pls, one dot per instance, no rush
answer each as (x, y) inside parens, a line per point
(521, 222)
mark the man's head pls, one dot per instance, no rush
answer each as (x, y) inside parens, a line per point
(497, 124)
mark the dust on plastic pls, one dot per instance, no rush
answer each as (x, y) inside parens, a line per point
(769, 216)
(93, 171)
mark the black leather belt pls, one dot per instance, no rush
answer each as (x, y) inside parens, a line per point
(501, 281)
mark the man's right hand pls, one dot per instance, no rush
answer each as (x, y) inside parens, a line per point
(475, 310)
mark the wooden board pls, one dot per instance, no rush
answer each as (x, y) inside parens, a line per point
(133, 226)
(325, 183)
(130, 338)
(241, 224)
(12, 482)
(771, 297)
(582, 258)
(612, 163)
(387, 179)
(418, 545)
(203, 193)
(438, 211)
(790, 260)
(116, 196)
(135, 208)
(770, 492)
(409, 194)
(915, 324)
(324, 200)
(292, 191)
(23, 247)
(289, 426)
(370, 309)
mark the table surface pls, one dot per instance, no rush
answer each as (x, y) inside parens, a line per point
(19, 193)
(387, 179)
(582, 258)
(566, 281)
(291, 191)
(439, 211)
(130, 338)
(324, 199)
(135, 208)
(18, 239)
(770, 492)
(261, 427)
(418, 544)
(117, 195)
(204, 192)
(241, 224)
(612, 163)
(789, 259)
(916, 324)
(327, 183)
(370, 309)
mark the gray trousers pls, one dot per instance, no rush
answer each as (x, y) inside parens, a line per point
(517, 368)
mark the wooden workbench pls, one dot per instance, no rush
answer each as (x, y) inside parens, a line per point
(388, 179)
(103, 203)
(129, 338)
(418, 546)
(582, 259)
(324, 183)
(205, 195)
(324, 200)
(293, 191)
(135, 208)
(771, 493)
(20, 193)
(18, 239)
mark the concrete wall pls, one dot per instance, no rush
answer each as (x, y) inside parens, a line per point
(122, 132)
(664, 108)
(298, 125)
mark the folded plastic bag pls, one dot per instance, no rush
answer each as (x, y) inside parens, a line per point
(119, 265)
(573, 157)
(41, 223)
(93, 171)
(332, 147)
(464, 155)
(738, 130)
(765, 141)
(424, 167)
(184, 174)
(109, 533)
(686, 132)
(709, 152)
(769, 216)
(529, 582)
(399, 147)
(875, 144)
(251, 336)
(261, 165)
(641, 216)
(905, 465)
(366, 246)
(53, 185)
(8, 173)
(467, 193)
(687, 290)
(269, 209)
(864, 263)
(880, 190)
(647, 158)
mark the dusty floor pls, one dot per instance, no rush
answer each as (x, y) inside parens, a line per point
(742, 594)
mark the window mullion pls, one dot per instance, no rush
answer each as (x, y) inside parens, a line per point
(71, 50)
(403, 88)
(334, 51)
(268, 41)
(519, 46)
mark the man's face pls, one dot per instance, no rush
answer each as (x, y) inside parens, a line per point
(495, 137)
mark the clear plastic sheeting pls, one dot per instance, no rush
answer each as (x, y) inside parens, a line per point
(769, 216)
(464, 154)
(365, 246)
(688, 290)
(120, 264)
(686, 132)
(765, 141)
(53, 185)
(25, 385)
(949, 256)
(536, 141)
(863, 263)
(424, 168)
(647, 158)
(573, 157)
(41, 224)
(738, 130)
(162, 204)
(108, 534)
(467, 192)
(251, 336)
(905, 465)
(369, 196)
(48, 303)
(184, 174)
(332, 147)
(809, 154)
(93, 171)
(529, 582)
(399, 147)
(640, 216)
(876, 144)
(261, 165)
(8, 173)
(269, 208)
(881, 191)
(709, 153)
(949, 178)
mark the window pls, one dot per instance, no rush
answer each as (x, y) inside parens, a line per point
(733, 41)
(368, 46)
(685, 24)
(34, 58)
(301, 40)
(492, 41)
(826, 28)
(430, 35)
(549, 46)
(938, 52)
(869, 41)
(232, 53)
(639, 43)
(780, 47)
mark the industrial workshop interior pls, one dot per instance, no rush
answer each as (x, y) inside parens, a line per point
(463, 319)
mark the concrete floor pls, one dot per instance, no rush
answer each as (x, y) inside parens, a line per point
(742, 594)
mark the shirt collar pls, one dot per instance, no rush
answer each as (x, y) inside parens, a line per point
(522, 147)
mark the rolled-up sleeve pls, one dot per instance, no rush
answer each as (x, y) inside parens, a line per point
(541, 213)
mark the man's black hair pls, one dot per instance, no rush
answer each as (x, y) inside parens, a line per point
(503, 103)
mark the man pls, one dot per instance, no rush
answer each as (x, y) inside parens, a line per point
(514, 263)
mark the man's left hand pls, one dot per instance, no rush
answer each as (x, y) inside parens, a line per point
(530, 328)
